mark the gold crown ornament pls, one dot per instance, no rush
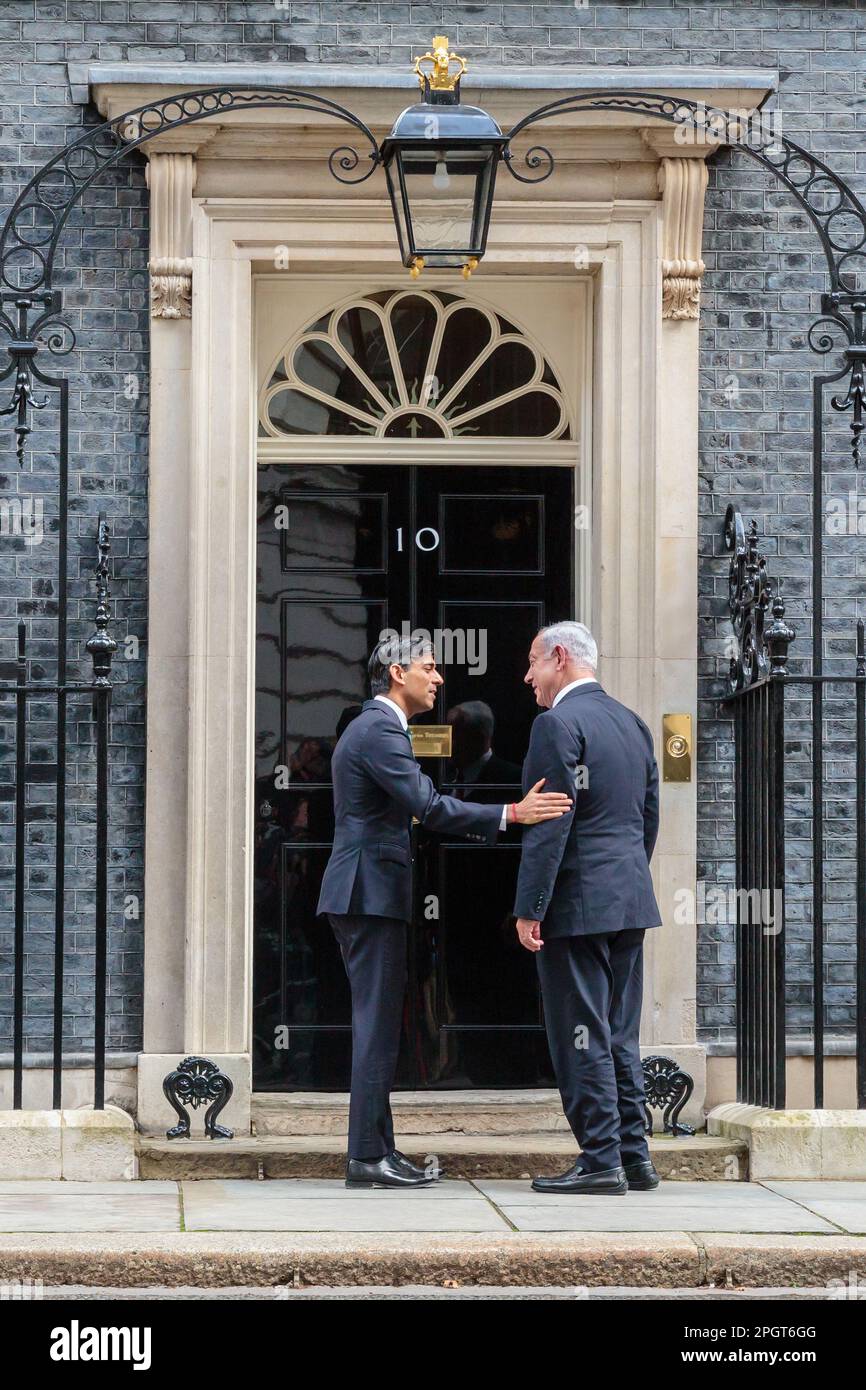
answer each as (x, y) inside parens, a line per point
(440, 78)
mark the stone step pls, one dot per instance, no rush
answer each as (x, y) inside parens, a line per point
(692, 1158)
(415, 1112)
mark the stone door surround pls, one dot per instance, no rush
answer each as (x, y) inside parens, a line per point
(623, 211)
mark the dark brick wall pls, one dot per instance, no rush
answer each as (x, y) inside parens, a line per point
(764, 276)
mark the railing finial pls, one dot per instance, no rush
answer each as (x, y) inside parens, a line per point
(761, 647)
(101, 644)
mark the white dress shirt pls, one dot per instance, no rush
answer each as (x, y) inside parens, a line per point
(584, 680)
(394, 706)
(405, 723)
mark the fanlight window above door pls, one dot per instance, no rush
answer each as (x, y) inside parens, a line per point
(400, 364)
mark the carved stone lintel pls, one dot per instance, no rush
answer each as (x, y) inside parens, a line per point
(171, 179)
(682, 183)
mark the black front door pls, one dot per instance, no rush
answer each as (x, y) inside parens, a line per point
(479, 559)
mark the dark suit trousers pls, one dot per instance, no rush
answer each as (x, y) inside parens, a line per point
(592, 988)
(374, 954)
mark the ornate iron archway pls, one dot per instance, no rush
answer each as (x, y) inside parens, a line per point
(31, 307)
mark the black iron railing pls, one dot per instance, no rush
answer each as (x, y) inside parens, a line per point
(56, 696)
(782, 781)
(759, 737)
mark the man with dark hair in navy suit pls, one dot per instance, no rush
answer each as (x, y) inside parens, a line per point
(367, 885)
(584, 901)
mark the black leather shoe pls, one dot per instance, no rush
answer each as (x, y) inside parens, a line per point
(642, 1177)
(610, 1182)
(385, 1172)
(431, 1174)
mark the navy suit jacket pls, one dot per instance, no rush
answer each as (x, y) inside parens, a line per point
(378, 788)
(588, 871)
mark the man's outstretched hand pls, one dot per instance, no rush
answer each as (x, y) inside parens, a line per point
(529, 933)
(537, 805)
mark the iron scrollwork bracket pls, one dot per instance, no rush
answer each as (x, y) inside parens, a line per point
(196, 1081)
(760, 646)
(24, 342)
(666, 1084)
(848, 311)
(836, 213)
(30, 234)
(831, 205)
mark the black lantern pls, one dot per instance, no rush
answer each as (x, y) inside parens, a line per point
(440, 160)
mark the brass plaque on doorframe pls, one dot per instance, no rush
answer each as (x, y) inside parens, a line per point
(431, 740)
(677, 748)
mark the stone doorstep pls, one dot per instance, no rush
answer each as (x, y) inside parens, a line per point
(665, 1259)
(420, 1112)
(689, 1159)
(415, 1112)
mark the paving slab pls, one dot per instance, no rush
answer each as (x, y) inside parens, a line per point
(458, 1206)
(75, 1206)
(302, 1205)
(843, 1203)
(321, 1189)
(682, 1207)
(59, 1187)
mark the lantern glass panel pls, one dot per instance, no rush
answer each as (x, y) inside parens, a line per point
(395, 189)
(447, 198)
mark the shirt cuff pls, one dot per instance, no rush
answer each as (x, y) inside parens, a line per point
(503, 824)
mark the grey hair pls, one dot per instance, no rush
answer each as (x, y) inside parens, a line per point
(577, 640)
(393, 651)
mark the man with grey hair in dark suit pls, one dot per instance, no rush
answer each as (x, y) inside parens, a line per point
(367, 886)
(584, 902)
